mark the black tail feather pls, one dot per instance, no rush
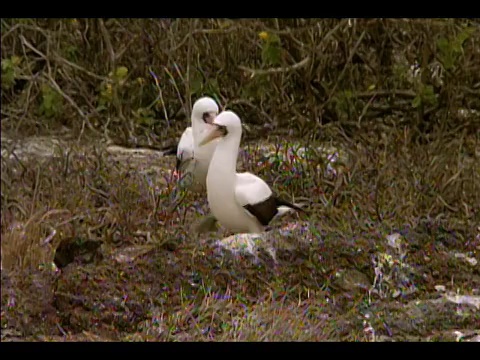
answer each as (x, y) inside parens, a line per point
(170, 150)
(178, 164)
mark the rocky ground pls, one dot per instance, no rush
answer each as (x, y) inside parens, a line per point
(95, 255)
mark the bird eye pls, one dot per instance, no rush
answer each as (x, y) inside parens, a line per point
(206, 117)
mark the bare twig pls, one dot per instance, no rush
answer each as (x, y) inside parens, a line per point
(49, 237)
(203, 31)
(471, 91)
(113, 58)
(381, 93)
(297, 65)
(248, 103)
(175, 84)
(160, 95)
(365, 108)
(57, 87)
(293, 67)
(35, 190)
(329, 34)
(340, 77)
(188, 95)
(78, 67)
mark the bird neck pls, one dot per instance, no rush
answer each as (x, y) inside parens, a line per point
(225, 156)
(197, 129)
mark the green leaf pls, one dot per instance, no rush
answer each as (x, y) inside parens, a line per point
(71, 52)
(121, 72)
(271, 53)
(7, 64)
(15, 60)
(462, 37)
(417, 101)
(47, 101)
(443, 45)
(148, 121)
(52, 102)
(451, 49)
(9, 71)
(196, 83)
(101, 107)
(8, 79)
(429, 95)
(273, 39)
(212, 86)
(446, 53)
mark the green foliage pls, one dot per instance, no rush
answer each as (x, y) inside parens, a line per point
(271, 49)
(344, 103)
(212, 87)
(52, 102)
(450, 49)
(217, 54)
(196, 82)
(120, 74)
(115, 79)
(71, 53)
(105, 96)
(10, 70)
(200, 85)
(426, 97)
(257, 88)
(144, 116)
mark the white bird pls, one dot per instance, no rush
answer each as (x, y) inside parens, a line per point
(193, 160)
(240, 202)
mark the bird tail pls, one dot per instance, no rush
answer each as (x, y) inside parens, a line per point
(169, 150)
(178, 164)
(284, 206)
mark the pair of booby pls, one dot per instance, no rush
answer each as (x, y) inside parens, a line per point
(207, 154)
(240, 202)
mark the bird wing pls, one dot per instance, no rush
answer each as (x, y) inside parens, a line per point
(185, 149)
(258, 200)
(250, 191)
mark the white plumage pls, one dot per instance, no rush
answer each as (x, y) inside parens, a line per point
(241, 202)
(193, 160)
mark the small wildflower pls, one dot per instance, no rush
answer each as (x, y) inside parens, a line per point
(263, 35)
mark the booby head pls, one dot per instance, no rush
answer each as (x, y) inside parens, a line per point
(204, 110)
(226, 124)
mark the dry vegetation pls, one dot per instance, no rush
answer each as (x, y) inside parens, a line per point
(133, 270)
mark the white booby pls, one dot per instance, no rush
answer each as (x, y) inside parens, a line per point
(241, 202)
(193, 160)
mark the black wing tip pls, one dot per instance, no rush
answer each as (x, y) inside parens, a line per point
(262, 218)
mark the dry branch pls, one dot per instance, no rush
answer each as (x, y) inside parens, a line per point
(377, 93)
(293, 67)
(57, 87)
